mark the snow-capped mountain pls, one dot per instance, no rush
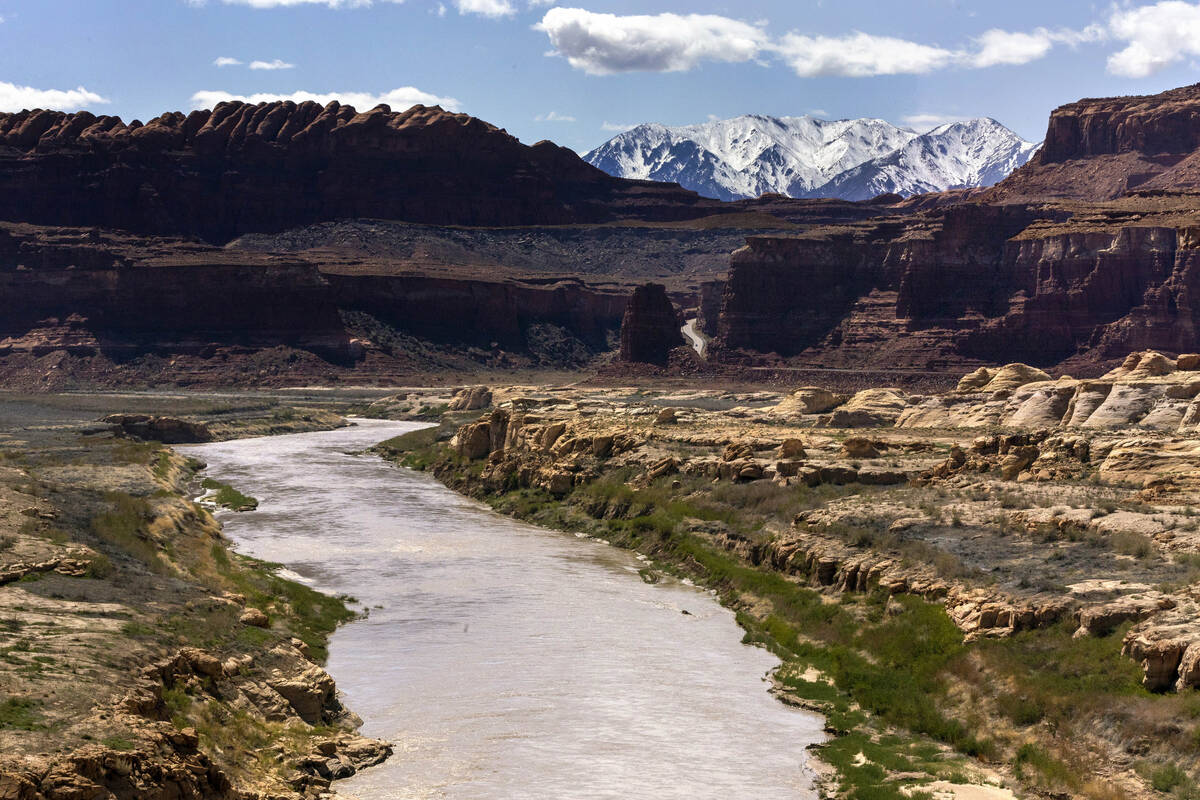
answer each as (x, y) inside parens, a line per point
(807, 157)
(960, 155)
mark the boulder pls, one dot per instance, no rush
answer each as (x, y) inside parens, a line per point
(1188, 362)
(1017, 460)
(735, 451)
(881, 476)
(808, 400)
(475, 440)
(471, 398)
(859, 447)
(255, 618)
(309, 694)
(869, 408)
(791, 448)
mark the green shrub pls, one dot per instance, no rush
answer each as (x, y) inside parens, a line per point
(1168, 777)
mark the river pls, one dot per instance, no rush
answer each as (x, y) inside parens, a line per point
(504, 660)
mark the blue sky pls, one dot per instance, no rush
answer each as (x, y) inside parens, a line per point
(575, 72)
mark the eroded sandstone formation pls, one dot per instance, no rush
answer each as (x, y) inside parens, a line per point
(1101, 148)
(971, 284)
(81, 296)
(242, 168)
(650, 326)
(1040, 502)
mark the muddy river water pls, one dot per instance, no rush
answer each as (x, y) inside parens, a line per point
(507, 661)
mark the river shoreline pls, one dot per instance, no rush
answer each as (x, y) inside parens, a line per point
(613, 580)
(866, 757)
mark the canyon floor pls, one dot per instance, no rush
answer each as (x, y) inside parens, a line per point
(993, 586)
(993, 589)
(139, 656)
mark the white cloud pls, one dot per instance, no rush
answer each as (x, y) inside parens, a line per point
(439, 9)
(554, 116)
(860, 55)
(1004, 47)
(226, 61)
(616, 127)
(271, 65)
(601, 44)
(1156, 36)
(1010, 47)
(924, 121)
(818, 112)
(19, 98)
(398, 99)
(486, 8)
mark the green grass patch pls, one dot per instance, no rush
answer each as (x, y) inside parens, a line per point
(18, 713)
(228, 497)
(122, 525)
(121, 743)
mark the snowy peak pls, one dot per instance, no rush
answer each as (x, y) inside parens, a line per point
(959, 155)
(809, 157)
(748, 155)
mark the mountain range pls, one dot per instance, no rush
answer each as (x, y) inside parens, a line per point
(809, 157)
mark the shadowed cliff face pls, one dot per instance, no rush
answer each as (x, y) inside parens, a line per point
(972, 284)
(120, 297)
(243, 168)
(650, 326)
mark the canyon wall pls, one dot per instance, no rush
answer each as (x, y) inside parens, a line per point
(89, 293)
(966, 285)
(1102, 148)
(243, 168)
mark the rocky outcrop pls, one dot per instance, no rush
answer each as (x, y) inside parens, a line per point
(1168, 647)
(168, 430)
(1148, 393)
(1097, 149)
(1000, 275)
(166, 762)
(887, 294)
(507, 313)
(242, 168)
(709, 311)
(105, 295)
(808, 400)
(471, 398)
(963, 286)
(650, 326)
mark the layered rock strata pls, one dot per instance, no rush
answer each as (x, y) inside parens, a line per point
(650, 326)
(241, 168)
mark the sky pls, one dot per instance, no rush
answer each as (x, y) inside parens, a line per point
(579, 72)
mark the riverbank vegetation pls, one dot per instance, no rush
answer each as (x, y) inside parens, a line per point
(225, 496)
(910, 702)
(123, 609)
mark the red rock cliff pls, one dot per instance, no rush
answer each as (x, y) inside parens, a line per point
(1098, 149)
(243, 168)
